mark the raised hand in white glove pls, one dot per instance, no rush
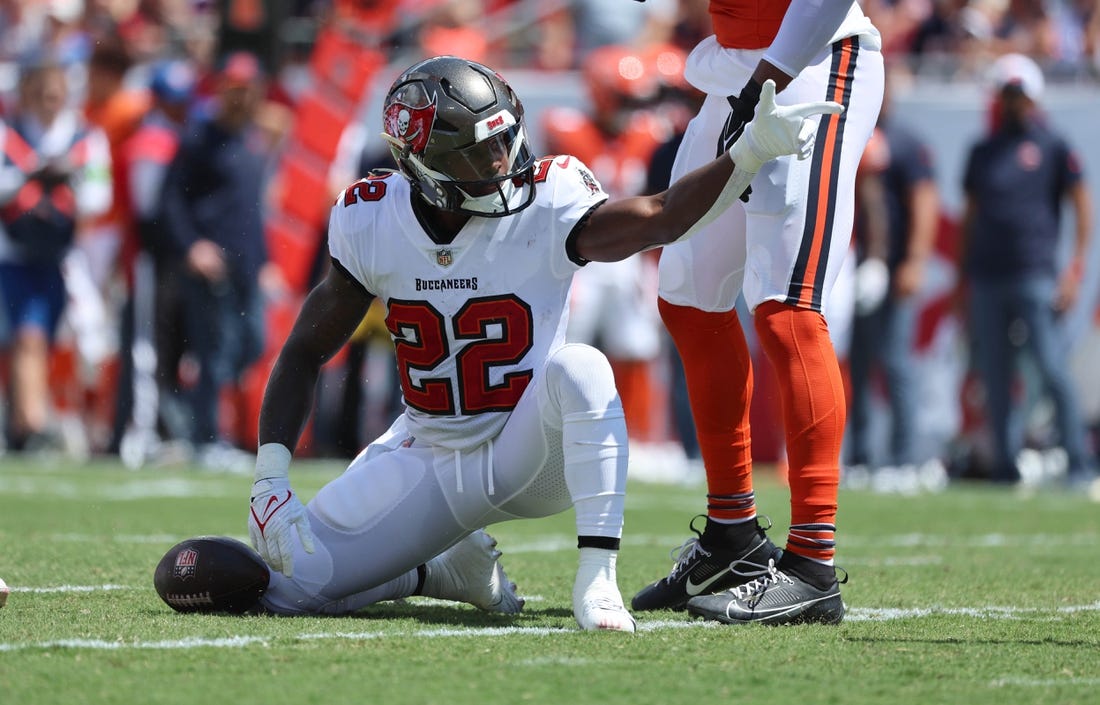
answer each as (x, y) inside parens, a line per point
(276, 510)
(778, 130)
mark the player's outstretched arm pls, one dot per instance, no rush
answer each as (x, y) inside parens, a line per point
(621, 228)
(329, 316)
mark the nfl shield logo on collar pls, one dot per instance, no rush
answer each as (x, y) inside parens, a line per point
(443, 257)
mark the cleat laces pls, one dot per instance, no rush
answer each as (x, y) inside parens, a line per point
(763, 578)
(688, 551)
(685, 555)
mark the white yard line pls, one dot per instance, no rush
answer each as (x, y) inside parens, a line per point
(1018, 682)
(859, 614)
(72, 588)
(563, 543)
(167, 487)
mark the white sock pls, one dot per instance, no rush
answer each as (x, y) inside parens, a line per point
(596, 574)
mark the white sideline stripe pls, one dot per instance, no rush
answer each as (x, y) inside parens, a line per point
(551, 544)
(997, 540)
(72, 588)
(102, 645)
(855, 615)
(563, 543)
(107, 588)
(130, 538)
(168, 487)
(435, 602)
(1016, 682)
(885, 614)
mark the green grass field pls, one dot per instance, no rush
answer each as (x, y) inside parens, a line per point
(973, 596)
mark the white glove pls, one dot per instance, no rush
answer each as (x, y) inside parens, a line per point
(276, 510)
(872, 284)
(778, 130)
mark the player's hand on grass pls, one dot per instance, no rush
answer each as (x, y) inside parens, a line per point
(276, 512)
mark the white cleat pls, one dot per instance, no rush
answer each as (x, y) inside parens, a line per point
(603, 612)
(470, 572)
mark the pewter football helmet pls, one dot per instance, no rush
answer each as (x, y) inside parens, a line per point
(456, 131)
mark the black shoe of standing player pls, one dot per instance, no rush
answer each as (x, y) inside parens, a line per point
(703, 564)
(777, 595)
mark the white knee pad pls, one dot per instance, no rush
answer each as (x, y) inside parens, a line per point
(579, 380)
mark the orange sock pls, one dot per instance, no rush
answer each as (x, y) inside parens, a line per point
(796, 341)
(719, 382)
(635, 390)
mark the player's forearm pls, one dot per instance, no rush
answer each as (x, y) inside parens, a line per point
(624, 227)
(288, 398)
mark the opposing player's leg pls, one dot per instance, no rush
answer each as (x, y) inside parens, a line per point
(789, 275)
(569, 428)
(699, 283)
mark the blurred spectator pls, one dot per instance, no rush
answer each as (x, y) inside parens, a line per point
(1077, 31)
(897, 215)
(31, 28)
(253, 26)
(1015, 181)
(54, 176)
(940, 34)
(153, 316)
(571, 30)
(116, 110)
(451, 27)
(212, 214)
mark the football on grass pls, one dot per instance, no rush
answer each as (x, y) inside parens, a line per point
(211, 574)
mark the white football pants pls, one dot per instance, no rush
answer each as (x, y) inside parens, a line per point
(401, 502)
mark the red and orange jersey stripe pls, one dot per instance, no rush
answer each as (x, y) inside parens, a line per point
(805, 288)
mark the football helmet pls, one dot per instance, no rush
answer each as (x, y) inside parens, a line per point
(456, 130)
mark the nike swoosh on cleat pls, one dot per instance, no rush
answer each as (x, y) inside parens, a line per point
(694, 589)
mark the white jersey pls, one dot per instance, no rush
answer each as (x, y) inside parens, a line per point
(472, 320)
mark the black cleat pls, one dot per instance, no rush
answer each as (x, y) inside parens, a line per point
(773, 596)
(703, 566)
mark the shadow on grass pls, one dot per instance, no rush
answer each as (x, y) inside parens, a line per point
(434, 614)
(956, 641)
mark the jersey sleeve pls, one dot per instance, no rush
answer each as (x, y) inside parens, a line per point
(575, 192)
(808, 27)
(349, 240)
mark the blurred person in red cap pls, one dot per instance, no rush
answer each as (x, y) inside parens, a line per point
(1016, 180)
